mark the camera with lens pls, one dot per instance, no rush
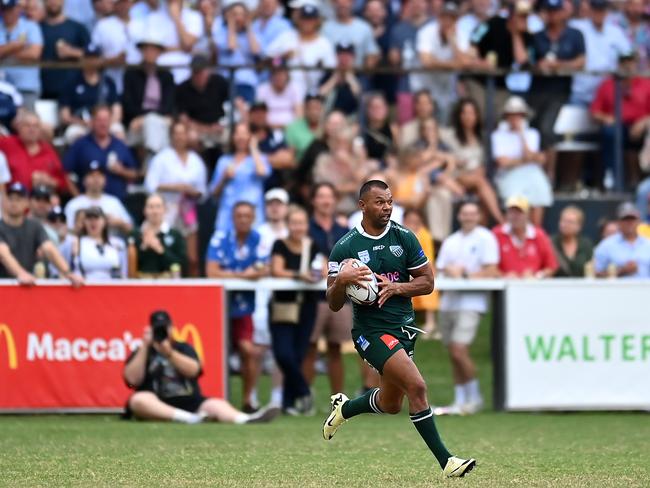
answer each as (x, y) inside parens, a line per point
(160, 322)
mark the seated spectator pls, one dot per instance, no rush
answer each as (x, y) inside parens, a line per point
(471, 252)
(440, 164)
(305, 46)
(624, 254)
(572, 249)
(293, 313)
(301, 132)
(635, 114)
(33, 161)
(644, 227)
(642, 198)
(34, 10)
(119, 220)
(40, 206)
(148, 99)
(95, 255)
(341, 88)
(88, 89)
(272, 145)
(233, 254)
(413, 184)
(425, 108)
(107, 152)
(380, 135)
(464, 139)
(178, 174)
(282, 96)
(517, 152)
(24, 242)
(238, 45)
(156, 250)
(525, 249)
(21, 41)
(347, 28)
(270, 22)
(632, 19)
(239, 177)
(10, 103)
(64, 40)
(178, 398)
(203, 119)
(606, 228)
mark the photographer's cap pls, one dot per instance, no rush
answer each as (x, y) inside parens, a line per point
(160, 317)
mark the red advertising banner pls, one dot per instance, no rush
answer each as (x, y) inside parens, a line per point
(64, 348)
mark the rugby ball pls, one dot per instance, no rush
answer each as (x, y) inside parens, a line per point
(358, 294)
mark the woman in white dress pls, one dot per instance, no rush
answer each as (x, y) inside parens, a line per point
(179, 175)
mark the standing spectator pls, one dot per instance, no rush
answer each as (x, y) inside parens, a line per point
(239, 177)
(108, 152)
(233, 254)
(301, 132)
(516, 150)
(238, 45)
(479, 11)
(503, 43)
(380, 135)
(63, 40)
(293, 313)
(525, 249)
(23, 240)
(32, 161)
(116, 36)
(336, 327)
(82, 11)
(637, 29)
(465, 141)
(605, 42)
(95, 255)
(341, 87)
(88, 89)
(156, 250)
(557, 47)
(437, 48)
(34, 10)
(401, 53)
(572, 249)
(148, 99)
(282, 96)
(203, 119)
(95, 179)
(21, 41)
(376, 14)
(40, 206)
(269, 23)
(345, 27)
(305, 46)
(471, 252)
(624, 254)
(178, 174)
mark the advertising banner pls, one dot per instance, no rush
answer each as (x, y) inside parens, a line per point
(64, 349)
(582, 346)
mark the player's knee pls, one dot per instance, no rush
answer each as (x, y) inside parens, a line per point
(417, 390)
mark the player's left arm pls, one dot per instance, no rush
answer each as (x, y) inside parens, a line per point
(421, 284)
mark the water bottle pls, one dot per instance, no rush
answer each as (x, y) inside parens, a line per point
(608, 181)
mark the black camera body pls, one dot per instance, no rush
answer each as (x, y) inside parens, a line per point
(160, 322)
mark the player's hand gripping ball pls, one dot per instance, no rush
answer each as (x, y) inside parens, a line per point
(364, 291)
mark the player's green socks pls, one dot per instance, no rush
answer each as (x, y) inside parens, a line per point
(366, 403)
(426, 427)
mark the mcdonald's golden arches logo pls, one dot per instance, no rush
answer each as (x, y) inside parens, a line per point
(10, 346)
(187, 331)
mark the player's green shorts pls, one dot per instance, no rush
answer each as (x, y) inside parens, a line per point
(376, 346)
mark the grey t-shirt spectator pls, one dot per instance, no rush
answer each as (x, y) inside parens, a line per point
(23, 241)
(402, 38)
(569, 46)
(357, 33)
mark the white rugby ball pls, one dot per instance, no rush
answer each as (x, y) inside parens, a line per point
(358, 294)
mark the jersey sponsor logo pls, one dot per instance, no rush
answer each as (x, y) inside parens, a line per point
(378, 248)
(363, 343)
(364, 256)
(396, 250)
(332, 267)
(393, 277)
(390, 341)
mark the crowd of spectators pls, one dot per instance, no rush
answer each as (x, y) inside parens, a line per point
(246, 107)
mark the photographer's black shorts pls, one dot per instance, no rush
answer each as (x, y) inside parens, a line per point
(187, 403)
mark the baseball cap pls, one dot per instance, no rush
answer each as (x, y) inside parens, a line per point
(277, 194)
(199, 62)
(518, 201)
(93, 50)
(95, 166)
(628, 210)
(344, 47)
(5, 4)
(552, 5)
(309, 11)
(599, 4)
(41, 191)
(628, 55)
(56, 214)
(159, 317)
(450, 8)
(522, 7)
(17, 188)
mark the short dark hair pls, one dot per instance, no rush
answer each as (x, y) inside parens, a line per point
(243, 203)
(468, 201)
(324, 184)
(369, 185)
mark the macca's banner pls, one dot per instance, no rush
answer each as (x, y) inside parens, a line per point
(64, 348)
(578, 346)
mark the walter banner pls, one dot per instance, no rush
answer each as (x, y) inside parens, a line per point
(64, 349)
(578, 345)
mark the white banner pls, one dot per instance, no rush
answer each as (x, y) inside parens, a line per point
(577, 345)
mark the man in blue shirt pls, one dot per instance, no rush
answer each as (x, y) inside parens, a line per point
(234, 254)
(20, 41)
(269, 22)
(625, 254)
(112, 154)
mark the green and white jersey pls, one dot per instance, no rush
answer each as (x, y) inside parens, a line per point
(393, 254)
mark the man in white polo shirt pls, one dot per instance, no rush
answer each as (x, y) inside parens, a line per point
(471, 252)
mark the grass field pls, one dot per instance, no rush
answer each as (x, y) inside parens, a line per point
(554, 450)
